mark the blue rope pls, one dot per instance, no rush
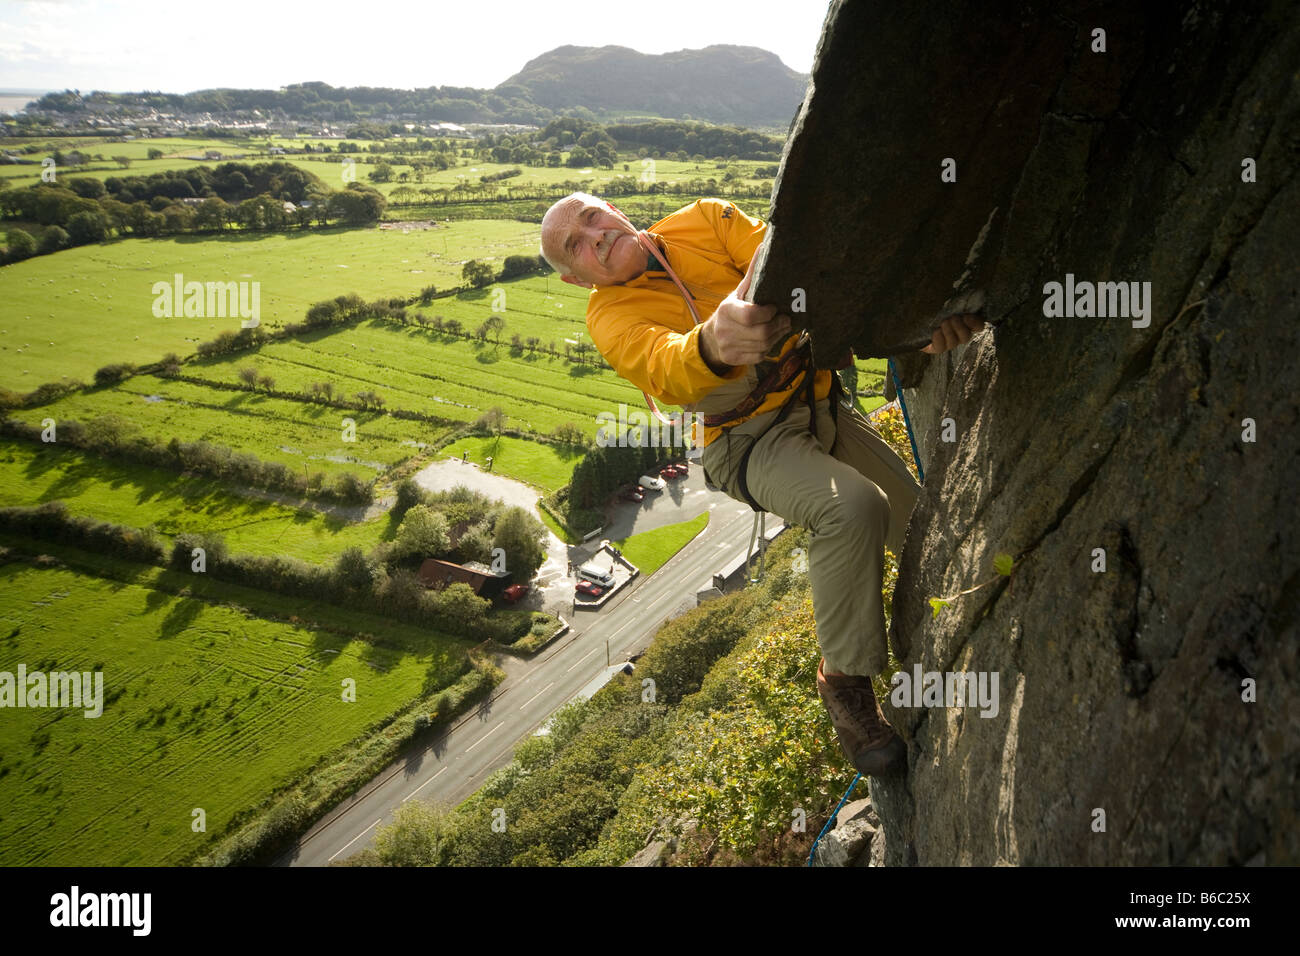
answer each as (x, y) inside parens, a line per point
(831, 822)
(916, 456)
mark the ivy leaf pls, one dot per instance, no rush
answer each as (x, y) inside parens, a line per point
(1003, 563)
(936, 604)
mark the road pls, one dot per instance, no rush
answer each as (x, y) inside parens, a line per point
(456, 764)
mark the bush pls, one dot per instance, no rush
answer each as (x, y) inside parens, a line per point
(183, 545)
(353, 570)
(21, 245)
(53, 240)
(351, 489)
(409, 494)
(112, 374)
(478, 274)
(423, 532)
(87, 227)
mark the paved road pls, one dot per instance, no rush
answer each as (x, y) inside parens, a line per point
(481, 742)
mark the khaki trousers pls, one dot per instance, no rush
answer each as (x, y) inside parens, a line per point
(852, 493)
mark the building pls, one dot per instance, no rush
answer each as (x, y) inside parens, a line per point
(485, 582)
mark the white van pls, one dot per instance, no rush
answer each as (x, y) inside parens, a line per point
(597, 575)
(648, 481)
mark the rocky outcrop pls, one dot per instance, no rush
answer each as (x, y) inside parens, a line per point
(1139, 464)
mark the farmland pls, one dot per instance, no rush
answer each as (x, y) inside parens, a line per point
(207, 706)
(59, 308)
(140, 496)
(221, 696)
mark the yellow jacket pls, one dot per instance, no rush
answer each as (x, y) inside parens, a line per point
(645, 330)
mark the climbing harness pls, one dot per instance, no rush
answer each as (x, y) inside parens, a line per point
(780, 377)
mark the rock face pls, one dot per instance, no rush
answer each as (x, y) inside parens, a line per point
(1140, 468)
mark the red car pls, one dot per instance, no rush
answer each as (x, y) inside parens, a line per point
(633, 495)
(515, 592)
(670, 473)
(589, 589)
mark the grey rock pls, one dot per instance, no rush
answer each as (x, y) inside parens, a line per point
(844, 844)
(1119, 691)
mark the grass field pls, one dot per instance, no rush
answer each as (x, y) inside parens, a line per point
(545, 466)
(302, 435)
(649, 550)
(181, 153)
(208, 707)
(57, 307)
(140, 496)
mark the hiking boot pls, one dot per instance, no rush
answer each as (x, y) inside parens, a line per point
(865, 735)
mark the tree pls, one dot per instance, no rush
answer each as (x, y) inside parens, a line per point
(353, 570)
(21, 245)
(570, 433)
(418, 836)
(461, 607)
(248, 375)
(212, 213)
(423, 532)
(493, 420)
(155, 153)
(53, 240)
(494, 324)
(522, 538)
(477, 274)
(86, 227)
(382, 173)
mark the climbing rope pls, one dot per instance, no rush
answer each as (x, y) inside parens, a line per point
(831, 822)
(916, 456)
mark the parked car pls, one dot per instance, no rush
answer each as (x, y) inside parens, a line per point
(633, 495)
(670, 472)
(654, 484)
(597, 575)
(515, 592)
(682, 467)
(588, 589)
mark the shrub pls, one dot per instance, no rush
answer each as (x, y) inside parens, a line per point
(112, 374)
(53, 240)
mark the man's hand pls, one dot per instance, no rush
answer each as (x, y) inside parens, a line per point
(952, 332)
(740, 332)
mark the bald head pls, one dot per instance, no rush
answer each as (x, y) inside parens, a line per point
(590, 243)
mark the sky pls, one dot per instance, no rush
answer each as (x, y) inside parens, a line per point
(178, 46)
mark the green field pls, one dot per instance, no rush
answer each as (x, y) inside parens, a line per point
(209, 707)
(302, 435)
(546, 466)
(57, 307)
(649, 550)
(139, 496)
(181, 153)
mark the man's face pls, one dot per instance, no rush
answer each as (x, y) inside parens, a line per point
(598, 243)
